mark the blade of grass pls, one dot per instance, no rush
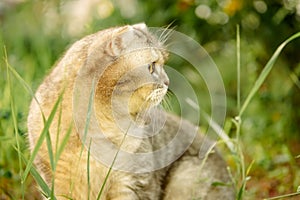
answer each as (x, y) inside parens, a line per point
(237, 121)
(214, 125)
(52, 185)
(63, 144)
(42, 136)
(14, 118)
(21, 80)
(294, 78)
(58, 151)
(265, 72)
(89, 112)
(113, 161)
(284, 196)
(58, 134)
(50, 150)
(240, 158)
(48, 138)
(238, 63)
(111, 166)
(88, 171)
(87, 123)
(39, 180)
(245, 178)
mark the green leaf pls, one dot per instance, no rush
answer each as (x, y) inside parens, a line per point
(215, 184)
(265, 72)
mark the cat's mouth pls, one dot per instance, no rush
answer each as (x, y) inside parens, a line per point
(146, 98)
(152, 100)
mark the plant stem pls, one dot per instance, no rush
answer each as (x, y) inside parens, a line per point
(238, 62)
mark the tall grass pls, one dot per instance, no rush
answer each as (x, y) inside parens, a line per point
(13, 112)
(235, 147)
(25, 162)
(59, 148)
(29, 163)
(241, 109)
(45, 136)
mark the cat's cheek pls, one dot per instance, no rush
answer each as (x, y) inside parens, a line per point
(138, 100)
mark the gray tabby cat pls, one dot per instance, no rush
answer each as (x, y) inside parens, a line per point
(121, 68)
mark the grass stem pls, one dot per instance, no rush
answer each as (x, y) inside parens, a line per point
(15, 124)
(238, 63)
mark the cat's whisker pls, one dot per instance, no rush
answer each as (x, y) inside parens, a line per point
(166, 105)
(167, 45)
(166, 33)
(165, 37)
(166, 102)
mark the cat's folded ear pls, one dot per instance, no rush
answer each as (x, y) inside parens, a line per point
(141, 26)
(127, 37)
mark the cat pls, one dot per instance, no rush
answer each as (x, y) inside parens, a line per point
(121, 70)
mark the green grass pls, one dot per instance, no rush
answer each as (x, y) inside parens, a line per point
(238, 119)
(260, 121)
(54, 158)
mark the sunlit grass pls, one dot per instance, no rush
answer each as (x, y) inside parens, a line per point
(49, 192)
(237, 121)
(16, 132)
(31, 53)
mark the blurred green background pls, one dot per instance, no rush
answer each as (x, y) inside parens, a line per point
(36, 33)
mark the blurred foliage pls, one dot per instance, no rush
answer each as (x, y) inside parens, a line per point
(36, 33)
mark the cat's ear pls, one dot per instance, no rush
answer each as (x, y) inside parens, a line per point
(125, 38)
(130, 29)
(141, 26)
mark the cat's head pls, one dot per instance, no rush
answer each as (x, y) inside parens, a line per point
(134, 79)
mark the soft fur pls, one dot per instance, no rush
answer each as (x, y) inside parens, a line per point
(113, 58)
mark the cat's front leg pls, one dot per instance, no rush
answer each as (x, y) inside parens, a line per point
(118, 192)
(125, 197)
(131, 186)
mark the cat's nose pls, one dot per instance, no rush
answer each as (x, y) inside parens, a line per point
(167, 82)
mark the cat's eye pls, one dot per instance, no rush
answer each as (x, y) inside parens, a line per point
(151, 67)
